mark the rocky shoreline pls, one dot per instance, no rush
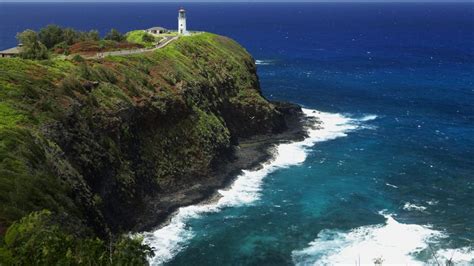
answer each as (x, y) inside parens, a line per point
(250, 153)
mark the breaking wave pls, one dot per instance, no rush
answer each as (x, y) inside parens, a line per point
(172, 238)
(412, 207)
(393, 243)
(264, 62)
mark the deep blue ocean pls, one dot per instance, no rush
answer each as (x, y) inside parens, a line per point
(391, 174)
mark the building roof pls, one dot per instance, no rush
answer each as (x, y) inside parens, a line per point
(13, 50)
(156, 28)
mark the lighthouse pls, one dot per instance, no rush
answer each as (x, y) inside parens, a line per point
(182, 22)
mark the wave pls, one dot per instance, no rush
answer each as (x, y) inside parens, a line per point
(169, 240)
(412, 207)
(393, 243)
(264, 62)
(367, 118)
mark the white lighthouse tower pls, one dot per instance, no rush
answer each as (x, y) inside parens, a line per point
(182, 22)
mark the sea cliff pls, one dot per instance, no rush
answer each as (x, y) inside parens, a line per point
(90, 149)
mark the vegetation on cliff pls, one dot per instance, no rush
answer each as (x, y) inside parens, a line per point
(85, 143)
(55, 40)
(142, 37)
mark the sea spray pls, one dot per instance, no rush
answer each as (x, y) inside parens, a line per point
(172, 238)
(393, 242)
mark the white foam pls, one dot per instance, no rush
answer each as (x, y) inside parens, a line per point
(172, 238)
(460, 257)
(412, 207)
(390, 185)
(263, 62)
(395, 243)
(367, 118)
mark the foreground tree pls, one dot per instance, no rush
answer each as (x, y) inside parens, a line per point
(43, 238)
(32, 47)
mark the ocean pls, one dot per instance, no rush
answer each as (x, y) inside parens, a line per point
(389, 177)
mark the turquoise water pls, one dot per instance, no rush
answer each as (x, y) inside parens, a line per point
(389, 176)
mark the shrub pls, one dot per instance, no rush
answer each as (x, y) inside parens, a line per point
(32, 47)
(114, 35)
(77, 58)
(148, 38)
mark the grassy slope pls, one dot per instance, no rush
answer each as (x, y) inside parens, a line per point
(136, 36)
(94, 139)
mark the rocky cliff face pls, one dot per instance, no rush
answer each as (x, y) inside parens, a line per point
(99, 139)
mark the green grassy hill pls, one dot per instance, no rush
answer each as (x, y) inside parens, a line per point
(84, 143)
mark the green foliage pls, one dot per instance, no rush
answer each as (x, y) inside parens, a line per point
(21, 191)
(70, 36)
(32, 47)
(148, 38)
(36, 45)
(10, 117)
(62, 46)
(78, 59)
(42, 238)
(92, 35)
(141, 37)
(51, 35)
(127, 251)
(114, 35)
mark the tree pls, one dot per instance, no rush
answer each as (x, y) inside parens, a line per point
(51, 35)
(32, 47)
(93, 35)
(70, 36)
(115, 35)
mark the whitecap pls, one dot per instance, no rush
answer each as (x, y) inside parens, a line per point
(264, 62)
(393, 242)
(172, 238)
(390, 185)
(412, 207)
(367, 118)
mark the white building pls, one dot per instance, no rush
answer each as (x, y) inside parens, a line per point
(182, 22)
(156, 30)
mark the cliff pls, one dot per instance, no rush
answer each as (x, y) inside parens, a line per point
(104, 144)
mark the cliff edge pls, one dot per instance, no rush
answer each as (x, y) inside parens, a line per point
(90, 149)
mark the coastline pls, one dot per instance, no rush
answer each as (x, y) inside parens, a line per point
(250, 154)
(171, 236)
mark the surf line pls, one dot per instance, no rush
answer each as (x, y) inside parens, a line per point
(173, 237)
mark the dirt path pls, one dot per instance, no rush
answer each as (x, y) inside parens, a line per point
(162, 44)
